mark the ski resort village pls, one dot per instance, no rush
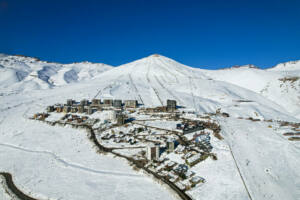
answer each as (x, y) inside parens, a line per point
(149, 129)
(165, 141)
(168, 142)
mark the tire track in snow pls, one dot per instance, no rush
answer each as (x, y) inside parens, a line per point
(67, 164)
(154, 89)
(17, 105)
(135, 88)
(238, 169)
(106, 87)
(192, 93)
(166, 69)
(99, 92)
(168, 91)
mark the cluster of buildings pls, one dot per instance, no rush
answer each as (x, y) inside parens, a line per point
(75, 118)
(85, 106)
(170, 107)
(179, 174)
(190, 126)
(40, 116)
(153, 151)
(203, 141)
(120, 137)
(89, 107)
(157, 151)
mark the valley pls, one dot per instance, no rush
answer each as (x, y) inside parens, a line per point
(254, 155)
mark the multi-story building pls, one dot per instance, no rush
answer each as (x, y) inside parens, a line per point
(170, 145)
(67, 109)
(50, 108)
(120, 118)
(80, 108)
(131, 103)
(117, 103)
(70, 102)
(108, 102)
(171, 105)
(74, 109)
(84, 102)
(59, 108)
(89, 111)
(96, 102)
(153, 152)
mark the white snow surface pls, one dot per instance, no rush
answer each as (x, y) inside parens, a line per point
(60, 163)
(269, 83)
(268, 162)
(20, 73)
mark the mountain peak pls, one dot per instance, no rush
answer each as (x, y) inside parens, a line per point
(155, 60)
(155, 55)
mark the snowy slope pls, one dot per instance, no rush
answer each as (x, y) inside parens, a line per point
(280, 84)
(287, 66)
(268, 162)
(20, 73)
(59, 163)
(154, 79)
(162, 78)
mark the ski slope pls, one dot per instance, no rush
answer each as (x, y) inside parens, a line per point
(60, 163)
(280, 84)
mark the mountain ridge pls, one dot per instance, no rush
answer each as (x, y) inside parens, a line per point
(279, 65)
(155, 78)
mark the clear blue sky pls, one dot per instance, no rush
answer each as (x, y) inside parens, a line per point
(207, 34)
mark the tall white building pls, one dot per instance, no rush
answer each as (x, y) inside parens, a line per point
(170, 145)
(153, 152)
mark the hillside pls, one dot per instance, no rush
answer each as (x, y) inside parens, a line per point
(160, 78)
(280, 84)
(154, 79)
(60, 162)
(20, 73)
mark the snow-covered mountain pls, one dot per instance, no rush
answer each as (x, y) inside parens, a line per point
(154, 79)
(20, 73)
(245, 90)
(60, 163)
(280, 84)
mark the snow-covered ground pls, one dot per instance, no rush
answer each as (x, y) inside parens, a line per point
(4, 192)
(222, 178)
(280, 84)
(60, 163)
(268, 162)
(19, 73)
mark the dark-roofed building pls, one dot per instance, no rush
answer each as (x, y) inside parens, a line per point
(96, 102)
(50, 108)
(108, 102)
(171, 105)
(67, 109)
(89, 111)
(84, 102)
(120, 118)
(131, 103)
(117, 103)
(70, 102)
(80, 108)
